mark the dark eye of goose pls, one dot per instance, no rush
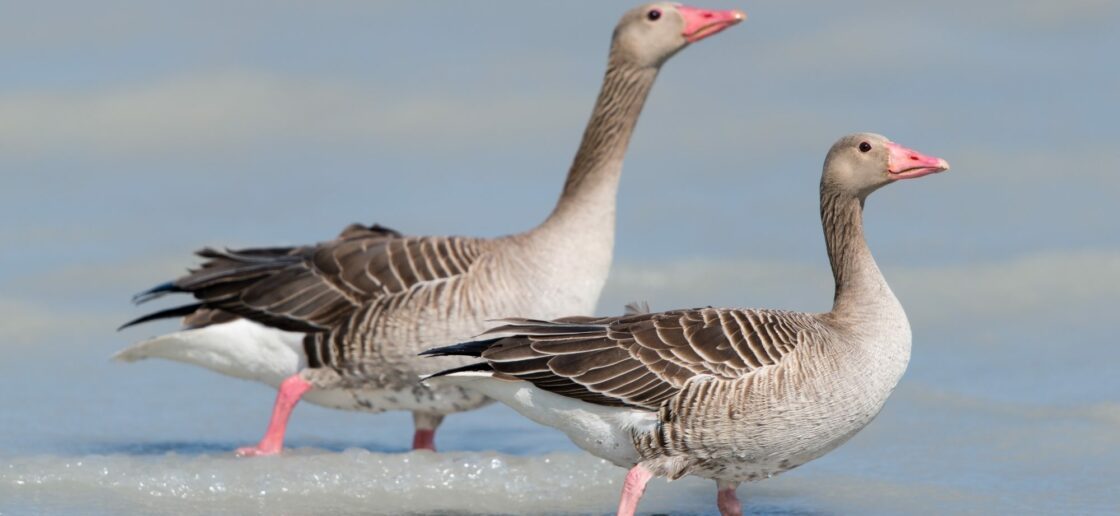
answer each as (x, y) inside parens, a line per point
(865, 147)
(654, 15)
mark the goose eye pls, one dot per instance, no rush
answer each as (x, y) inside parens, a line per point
(865, 147)
(654, 15)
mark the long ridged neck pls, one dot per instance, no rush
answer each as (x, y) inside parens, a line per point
(591, 188)
(861, 289)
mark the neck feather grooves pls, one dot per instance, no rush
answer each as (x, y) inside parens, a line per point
(593, 178)
(859, 284)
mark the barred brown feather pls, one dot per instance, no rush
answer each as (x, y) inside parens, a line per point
(643, 359)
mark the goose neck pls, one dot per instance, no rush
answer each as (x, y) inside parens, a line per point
(861, 289)
(591, 187)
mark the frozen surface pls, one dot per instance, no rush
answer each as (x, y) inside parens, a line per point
(897, 477)
(310, 482)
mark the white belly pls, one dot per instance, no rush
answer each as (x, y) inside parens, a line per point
(603, 431)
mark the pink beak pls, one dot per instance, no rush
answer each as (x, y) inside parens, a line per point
(701, 23)
(904, 163)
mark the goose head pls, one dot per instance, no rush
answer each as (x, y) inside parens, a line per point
(649, 35)
(861, 163)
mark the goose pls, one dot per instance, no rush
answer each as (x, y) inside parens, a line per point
(731, 395)
(340, 323)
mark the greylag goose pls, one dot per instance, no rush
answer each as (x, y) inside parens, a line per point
(728, 394)
(340, 323)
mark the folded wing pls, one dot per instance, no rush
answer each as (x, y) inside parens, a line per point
(637, 360)
(313, 288)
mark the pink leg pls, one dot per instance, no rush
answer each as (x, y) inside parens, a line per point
(727, 502)
(632, 490)
(424, 440)
(425, 436)
(291, 390)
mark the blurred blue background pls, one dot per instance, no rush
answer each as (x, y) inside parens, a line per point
(132, 133)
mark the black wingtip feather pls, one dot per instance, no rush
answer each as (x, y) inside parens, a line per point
(179, 311)
(155, 292)
(481, 366)
(469, 349)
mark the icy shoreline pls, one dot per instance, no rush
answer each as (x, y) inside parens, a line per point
(315, 481)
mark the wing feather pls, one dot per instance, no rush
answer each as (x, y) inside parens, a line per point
(640, 360)
(312, 288)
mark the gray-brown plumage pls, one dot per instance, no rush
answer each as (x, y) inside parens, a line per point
(644, 359)
(341, 322)
(727, 394)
